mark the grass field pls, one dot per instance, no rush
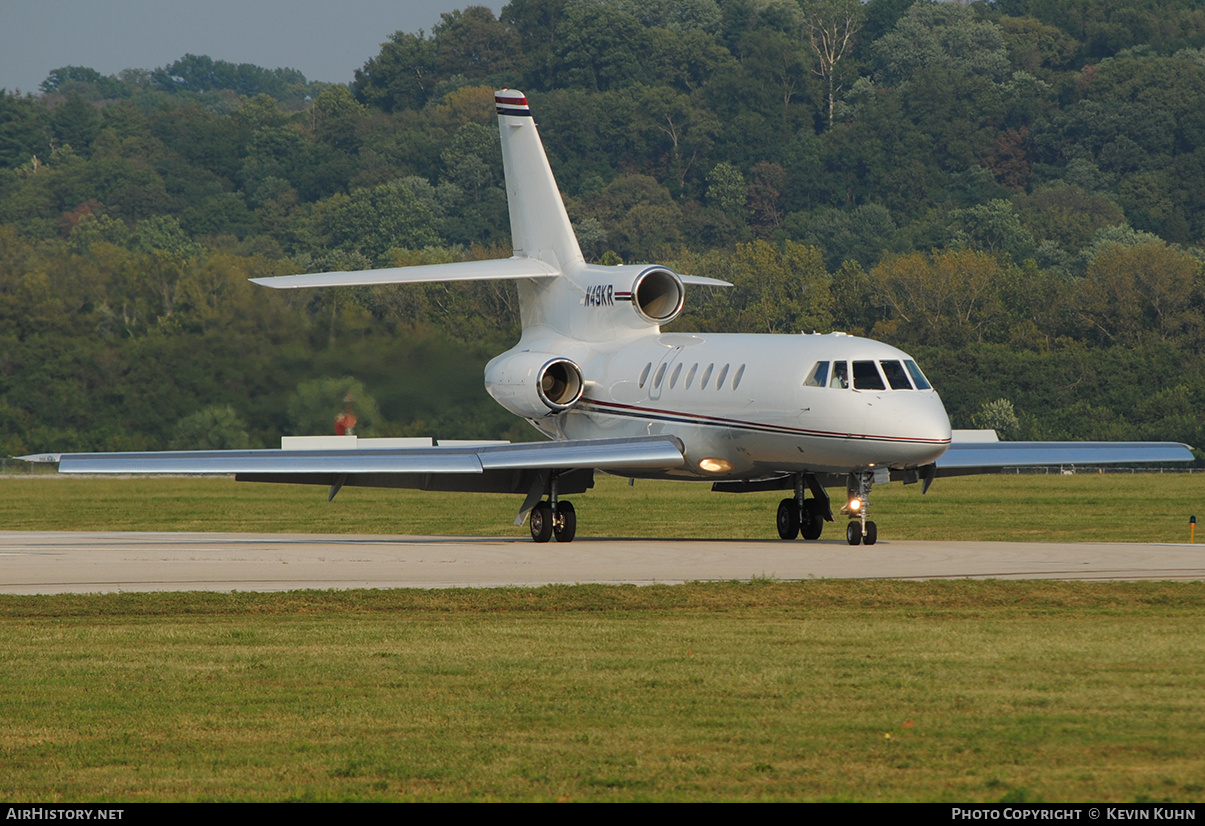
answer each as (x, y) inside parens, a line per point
(974, 691)
(820, 690)
(1080, 508)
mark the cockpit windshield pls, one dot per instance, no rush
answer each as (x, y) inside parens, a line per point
(900, 375)
(866, 376)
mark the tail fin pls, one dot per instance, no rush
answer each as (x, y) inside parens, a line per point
(539, 225)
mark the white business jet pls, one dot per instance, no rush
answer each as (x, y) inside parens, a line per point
(594, 372)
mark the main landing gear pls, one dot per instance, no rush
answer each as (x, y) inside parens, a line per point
(858, 505)
(804, 517)
(549, 519)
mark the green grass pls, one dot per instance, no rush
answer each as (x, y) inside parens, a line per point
(1081, 508)
(973, 691)
(820, 690)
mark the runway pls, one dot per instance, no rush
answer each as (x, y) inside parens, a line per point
(47, 563)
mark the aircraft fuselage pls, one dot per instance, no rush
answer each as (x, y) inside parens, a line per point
(752, 406)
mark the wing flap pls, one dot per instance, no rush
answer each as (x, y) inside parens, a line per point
(495, 269)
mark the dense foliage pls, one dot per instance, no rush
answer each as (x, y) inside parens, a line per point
(1013, 192)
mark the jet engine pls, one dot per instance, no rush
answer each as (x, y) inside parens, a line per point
(534, 385)
(658, 295)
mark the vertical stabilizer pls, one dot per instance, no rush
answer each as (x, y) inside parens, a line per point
(539, 225)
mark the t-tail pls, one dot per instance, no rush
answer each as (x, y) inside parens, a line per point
(559, 293)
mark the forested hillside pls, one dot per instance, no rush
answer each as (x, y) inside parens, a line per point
(1013, 192)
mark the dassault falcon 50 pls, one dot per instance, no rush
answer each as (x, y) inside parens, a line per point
(594, 372)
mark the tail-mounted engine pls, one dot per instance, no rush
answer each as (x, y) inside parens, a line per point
(534, 385)
(658, 295)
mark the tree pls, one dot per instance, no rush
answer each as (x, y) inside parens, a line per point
(831, 26)
(374, 221)
(994, 227)
(945, 36)
(402, 76)
(216, 427)
(947, 299)
(782, 290)
(998, 416)
(1152, 290)
(475, 44)
(726, 189)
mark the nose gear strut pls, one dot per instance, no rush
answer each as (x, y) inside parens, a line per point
(860, 531)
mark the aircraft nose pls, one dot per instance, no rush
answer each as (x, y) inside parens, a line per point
(936, 421)
(921, 419)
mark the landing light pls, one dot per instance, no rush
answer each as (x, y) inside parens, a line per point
(855, 504)
(712, 465)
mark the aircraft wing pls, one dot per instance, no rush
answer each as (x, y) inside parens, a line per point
(966, 458)
(490, 468)
(494, 269)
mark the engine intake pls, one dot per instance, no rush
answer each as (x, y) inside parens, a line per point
(658, 295)
(560, 384)
(534, 385)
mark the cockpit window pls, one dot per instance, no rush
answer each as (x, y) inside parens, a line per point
(840, 377)
(918, 378)
(866, 376)
(819, 375)
(896, 377)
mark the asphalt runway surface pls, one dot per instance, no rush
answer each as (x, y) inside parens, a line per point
(46, 563)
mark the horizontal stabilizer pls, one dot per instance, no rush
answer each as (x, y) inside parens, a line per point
(494, 269)
(704, 281)
(977, 457)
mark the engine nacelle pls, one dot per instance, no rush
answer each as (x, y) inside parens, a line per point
(534, 385)
(658, 295)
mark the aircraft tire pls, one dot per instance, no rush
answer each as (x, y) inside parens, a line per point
(872, 534)
(813, 526)
(853, 533)
(540, 522)
(565, 525)
(788, 519)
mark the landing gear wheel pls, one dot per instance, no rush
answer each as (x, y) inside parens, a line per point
(872, 534)
(564, 523)
(788, 519)
(813, 523)
(540, 522)
(853, 533)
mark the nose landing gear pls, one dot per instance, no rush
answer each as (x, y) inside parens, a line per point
(858, 506)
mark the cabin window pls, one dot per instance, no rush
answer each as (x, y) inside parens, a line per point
(660, 376)
(736, 380)
(673, 380)
(840, 379)
(866, 376)
(719, 383)
(918, 378)
(644, 374)
(694, 368)
(706, 376)
(819, 375)
(897, 379)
